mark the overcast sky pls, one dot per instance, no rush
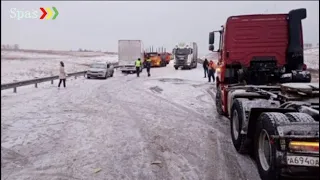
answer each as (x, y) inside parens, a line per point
(99, 25)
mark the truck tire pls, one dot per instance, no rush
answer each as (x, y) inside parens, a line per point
(267, 126)
(238, 139)
(300, 117)
(219, 102)
(176, 67)
(111, 74)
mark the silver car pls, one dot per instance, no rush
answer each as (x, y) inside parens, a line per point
(100, 70)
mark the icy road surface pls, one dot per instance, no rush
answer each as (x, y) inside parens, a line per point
(163, 127)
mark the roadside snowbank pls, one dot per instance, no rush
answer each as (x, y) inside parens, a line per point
(311, 58)
(19, 66)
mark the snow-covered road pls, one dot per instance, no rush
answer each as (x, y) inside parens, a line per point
(159, 127)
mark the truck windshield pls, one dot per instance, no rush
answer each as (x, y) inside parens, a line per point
(98, 66)
(183, 51)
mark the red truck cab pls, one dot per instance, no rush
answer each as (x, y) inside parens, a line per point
(266, 40)
(258, 49)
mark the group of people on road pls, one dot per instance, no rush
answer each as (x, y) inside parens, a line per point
(209, 68)
(147, 64)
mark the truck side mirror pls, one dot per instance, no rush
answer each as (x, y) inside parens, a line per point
(211, 47)
(211, 38)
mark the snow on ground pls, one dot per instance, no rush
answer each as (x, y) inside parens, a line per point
(19, 66)
(159, 127)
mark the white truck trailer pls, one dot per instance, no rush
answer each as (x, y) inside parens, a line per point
(128, 52)
(185, 55)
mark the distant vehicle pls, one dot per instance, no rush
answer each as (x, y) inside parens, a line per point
(100, 70)
(129, 51)
(156, 59)
(185, 55)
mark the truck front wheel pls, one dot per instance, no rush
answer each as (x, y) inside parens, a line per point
(176, 67)
(219, 102)
(238, 139)
(265, 148)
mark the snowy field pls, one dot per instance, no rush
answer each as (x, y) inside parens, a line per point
(29, 64)
(159, 127)
(312, 58)
(25, 65)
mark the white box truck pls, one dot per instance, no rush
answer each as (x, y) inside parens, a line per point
(185, 55)
(128, 52)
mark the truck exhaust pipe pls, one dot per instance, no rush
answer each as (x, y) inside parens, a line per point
(295, 46)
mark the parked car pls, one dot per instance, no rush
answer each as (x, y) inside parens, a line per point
(100, 70)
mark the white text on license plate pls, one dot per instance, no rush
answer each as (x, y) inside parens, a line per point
(303, 161)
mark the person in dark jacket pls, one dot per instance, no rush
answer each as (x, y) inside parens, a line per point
(148, 65)
(205, 67)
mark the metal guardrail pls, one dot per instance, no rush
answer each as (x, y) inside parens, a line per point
(37, 81)
(40, 80)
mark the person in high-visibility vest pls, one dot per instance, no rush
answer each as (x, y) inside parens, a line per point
(148, 66)
(211, 71)
(138, 66)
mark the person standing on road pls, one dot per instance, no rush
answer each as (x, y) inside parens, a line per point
(138, 65)
(148, 66)
(205, 67)
(62, 75)
(211, 71)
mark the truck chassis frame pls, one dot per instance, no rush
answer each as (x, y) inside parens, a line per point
(276, 116)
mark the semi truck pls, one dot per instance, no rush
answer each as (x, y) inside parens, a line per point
(128, 52)
(185, 55)
(264, 88)
(156, 59)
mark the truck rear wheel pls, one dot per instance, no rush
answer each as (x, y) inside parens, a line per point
(265, 149)
(238, 139)
(300, 117)
(219, 102)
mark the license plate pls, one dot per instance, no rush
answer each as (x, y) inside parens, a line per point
(303, 161)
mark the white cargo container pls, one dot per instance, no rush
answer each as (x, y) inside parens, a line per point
(128, 52)
(185, 55)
